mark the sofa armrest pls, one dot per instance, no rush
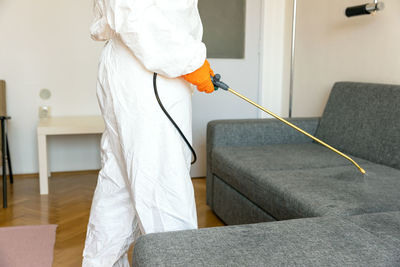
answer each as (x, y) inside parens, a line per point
(253, 132)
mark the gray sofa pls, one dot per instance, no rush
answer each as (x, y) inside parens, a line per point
(363, 240)
(264, 171)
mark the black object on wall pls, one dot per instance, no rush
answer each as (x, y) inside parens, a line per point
(365, 9)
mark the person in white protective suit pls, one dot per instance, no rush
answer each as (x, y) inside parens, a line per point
(144, 184)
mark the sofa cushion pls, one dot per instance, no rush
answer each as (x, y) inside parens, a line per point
(234, 208)
(313, 184)
(278, 157)
(349, 241)
(364, 120)
(385, 225)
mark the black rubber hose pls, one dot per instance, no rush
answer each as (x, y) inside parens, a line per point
(171, 120)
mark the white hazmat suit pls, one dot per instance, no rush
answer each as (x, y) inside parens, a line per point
(144, 184)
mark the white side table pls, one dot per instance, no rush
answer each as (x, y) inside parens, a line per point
(62, 126)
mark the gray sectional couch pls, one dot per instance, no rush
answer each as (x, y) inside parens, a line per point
(293, 201)
(363, 240)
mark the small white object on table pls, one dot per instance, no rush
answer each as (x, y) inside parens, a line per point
(62, 126)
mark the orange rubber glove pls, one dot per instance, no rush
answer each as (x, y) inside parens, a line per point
(201, 78)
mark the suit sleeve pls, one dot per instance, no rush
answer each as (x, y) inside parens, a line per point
(159, 44)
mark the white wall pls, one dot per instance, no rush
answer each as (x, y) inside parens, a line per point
(46, 44)
(331, 47)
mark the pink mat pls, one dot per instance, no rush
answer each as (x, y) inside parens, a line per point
(26, 246)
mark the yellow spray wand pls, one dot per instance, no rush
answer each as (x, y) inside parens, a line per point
(219, 84)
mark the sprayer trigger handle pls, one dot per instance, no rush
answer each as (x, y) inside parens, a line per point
(216, 80)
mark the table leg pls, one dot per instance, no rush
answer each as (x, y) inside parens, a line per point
(3, 155)
(9, 162)
(43, 171)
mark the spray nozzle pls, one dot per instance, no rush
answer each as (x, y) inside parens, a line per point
(216, 80)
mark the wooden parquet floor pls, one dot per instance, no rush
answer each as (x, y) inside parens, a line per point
(68, 206)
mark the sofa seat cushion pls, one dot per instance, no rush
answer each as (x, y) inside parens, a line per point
(315, 183)
(278, 157)
(367, 240)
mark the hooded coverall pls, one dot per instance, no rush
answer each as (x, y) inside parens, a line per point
(144, 185)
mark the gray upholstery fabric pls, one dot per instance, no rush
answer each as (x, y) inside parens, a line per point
(364, 120)
(258, 132)
(384, 225)
(350, 241)
(276, 157)
(252, 133)
(233, 208)
(306, 190)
